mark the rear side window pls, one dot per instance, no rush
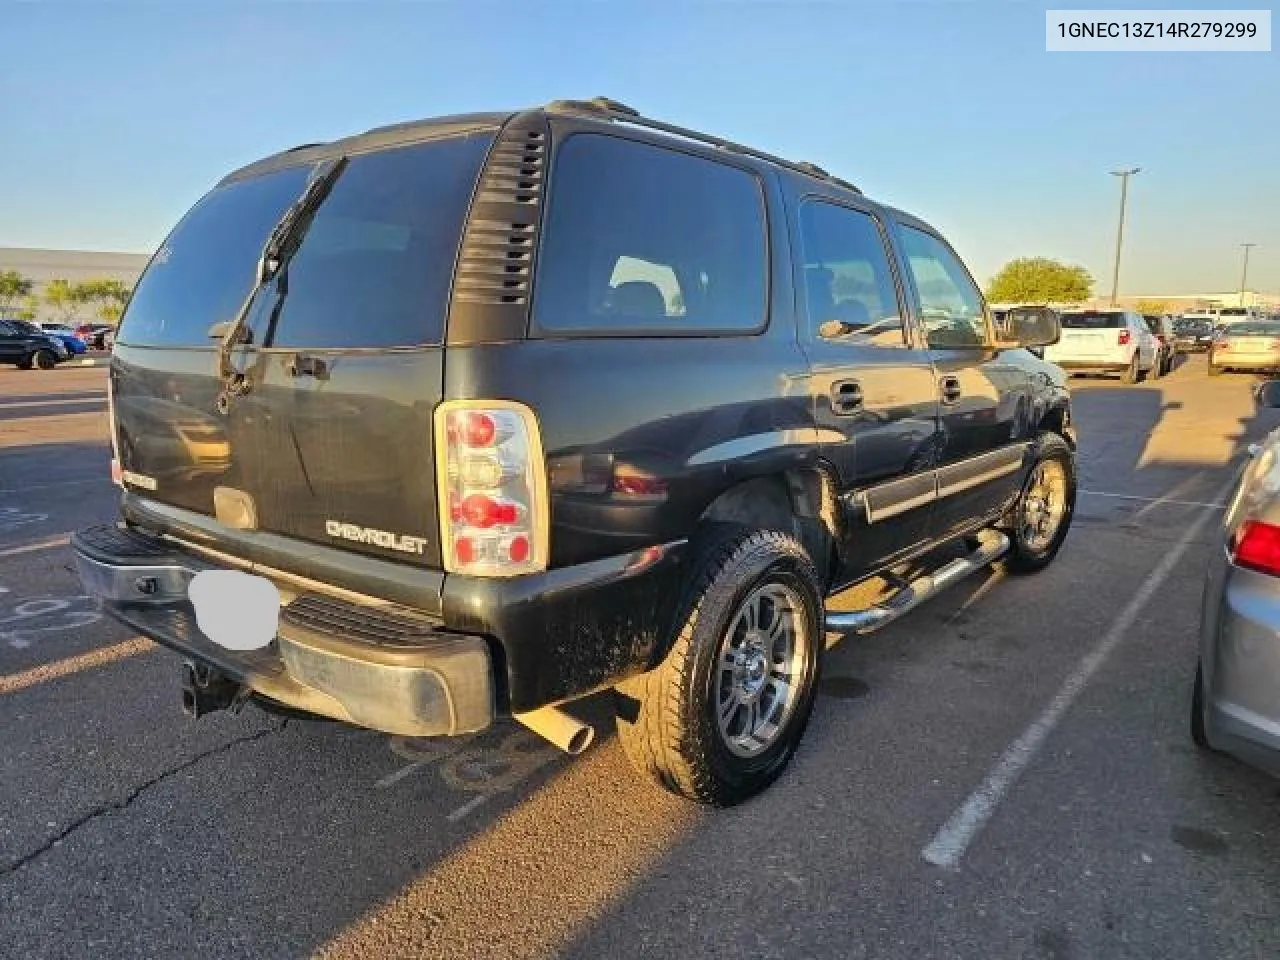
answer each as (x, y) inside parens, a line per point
(1093, 321)
(644, 240)
(373, 270)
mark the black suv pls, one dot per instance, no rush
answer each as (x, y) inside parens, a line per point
(480, 415)
(25, 345)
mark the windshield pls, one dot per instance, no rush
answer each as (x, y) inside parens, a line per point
(373, 270)
(1233, 312)
(1189, 325)
(1093, 320)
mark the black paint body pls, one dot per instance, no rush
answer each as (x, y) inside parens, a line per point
(704, 414)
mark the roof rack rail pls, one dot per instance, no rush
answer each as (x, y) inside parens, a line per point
(613, 110)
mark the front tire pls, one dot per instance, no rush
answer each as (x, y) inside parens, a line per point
(720, 718)
(1038, 522)
(45, 359)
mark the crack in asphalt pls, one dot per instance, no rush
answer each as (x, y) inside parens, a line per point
(114, 806)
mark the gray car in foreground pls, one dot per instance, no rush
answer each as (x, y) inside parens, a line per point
(1236, 701)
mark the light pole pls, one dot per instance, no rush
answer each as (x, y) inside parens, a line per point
(1244, 271)
(1124, 176)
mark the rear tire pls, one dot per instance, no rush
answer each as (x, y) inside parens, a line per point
(45, 359)
(750, 628)
(1132, 374)
(24, 363)
(1039, 521)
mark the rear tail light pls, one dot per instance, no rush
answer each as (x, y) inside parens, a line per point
(492, 487)
(1257, 547)
(1123, 338)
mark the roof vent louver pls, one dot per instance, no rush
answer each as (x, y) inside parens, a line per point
(497, 253)
(494, 275)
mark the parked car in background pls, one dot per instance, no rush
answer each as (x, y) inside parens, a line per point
(1106, 341)
(1234, 702)
(1193, 334)
(1161, 328)
(64, 333)
(26, 345)
(1230, 316)
(1252, 346)
(97, 335)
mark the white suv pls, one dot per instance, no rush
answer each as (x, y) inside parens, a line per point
(1106, 341)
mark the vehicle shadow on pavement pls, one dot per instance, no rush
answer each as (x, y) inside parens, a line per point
(140, 833)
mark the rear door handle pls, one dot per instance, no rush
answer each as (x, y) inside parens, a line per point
(950, 388)
(846, 397)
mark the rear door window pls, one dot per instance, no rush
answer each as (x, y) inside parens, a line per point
(373, 270)
(644, 240)
(847, 277)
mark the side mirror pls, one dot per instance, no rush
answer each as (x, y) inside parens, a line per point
(1269, 394)
(1029, 327)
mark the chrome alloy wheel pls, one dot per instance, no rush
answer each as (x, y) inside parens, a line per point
(1044, 503)
(761, 667)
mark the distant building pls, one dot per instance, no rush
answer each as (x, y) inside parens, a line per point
(74, 266)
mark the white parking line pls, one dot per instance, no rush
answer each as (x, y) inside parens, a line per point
(953, 839)
(38, 545)
(55, 483)
(54, 402)
(1153, 500)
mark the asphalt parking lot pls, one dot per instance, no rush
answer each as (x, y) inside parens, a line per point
(1005, 773)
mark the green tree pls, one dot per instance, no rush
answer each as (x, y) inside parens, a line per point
(1040, 280)
(30, 308)
(110, 296)
(1155, 308)
(14, 289)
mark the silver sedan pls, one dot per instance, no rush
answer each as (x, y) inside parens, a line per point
(1236, 701)
(1252, 345)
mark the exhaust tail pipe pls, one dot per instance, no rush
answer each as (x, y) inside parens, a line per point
(205, 690)
(566, 732)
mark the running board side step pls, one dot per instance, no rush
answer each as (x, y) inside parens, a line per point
(991, 546)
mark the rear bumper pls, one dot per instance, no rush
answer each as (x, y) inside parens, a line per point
(1245, 361)
(1241, 659)
(379, 666)
(1093, 366)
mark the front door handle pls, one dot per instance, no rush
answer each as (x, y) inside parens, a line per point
(846, 397)
(950, 387)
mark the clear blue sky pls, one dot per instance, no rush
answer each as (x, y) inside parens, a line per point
(117, 116)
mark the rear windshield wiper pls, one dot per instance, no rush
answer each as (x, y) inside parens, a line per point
(283, 242)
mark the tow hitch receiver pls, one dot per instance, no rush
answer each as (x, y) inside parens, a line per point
(206, 690)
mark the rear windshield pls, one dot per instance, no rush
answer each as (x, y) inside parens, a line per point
(1233, 312)
(1190, 325)
(374, 269)
(1092, 320)
(1255, 329)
